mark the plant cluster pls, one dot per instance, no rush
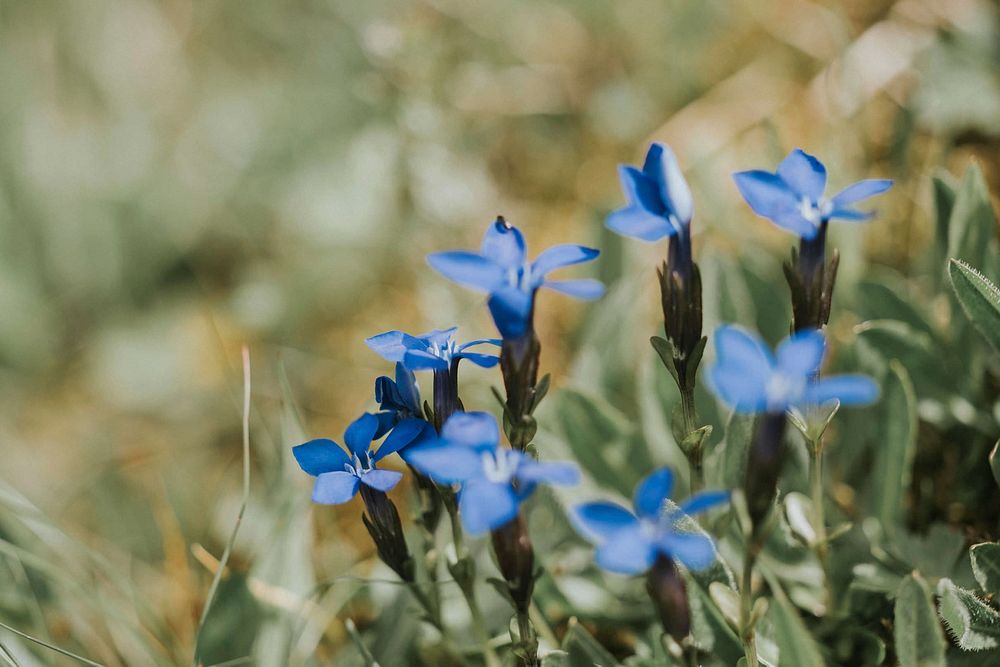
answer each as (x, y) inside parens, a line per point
(773, 564)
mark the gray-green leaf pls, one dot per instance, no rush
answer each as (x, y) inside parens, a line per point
(986, 566)
(583, 649)
(896, 447)
(918, 636)
(973, 624)
(980, 299)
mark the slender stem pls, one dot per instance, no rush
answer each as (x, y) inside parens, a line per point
(466, 583)
(526, 632)
(821, 545)
(746, 606)
(694, 456)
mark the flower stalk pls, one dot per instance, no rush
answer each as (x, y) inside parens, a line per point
(516, 560)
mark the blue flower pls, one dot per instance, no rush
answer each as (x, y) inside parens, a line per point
(501, 269)
(338, 473)
(495, 480)
(793, 196)
(659, 200)
(748, 378)
(629, 542)
(434, 351)
(398, 400)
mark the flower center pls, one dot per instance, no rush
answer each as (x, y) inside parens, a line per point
(784, 390)
(815, 212)
(357, 466)
(499, 466)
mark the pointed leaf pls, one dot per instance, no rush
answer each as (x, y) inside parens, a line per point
(918, 636)
(972, 223)
(583, 649)
(973, 624)
(986, 566)
(896, 447)
(980, 300)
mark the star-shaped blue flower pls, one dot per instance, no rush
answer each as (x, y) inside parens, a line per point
(501, 269)
(793, 197)
(495, 480)
(748, 378)
(338, 473)
(398, 399)
(629, 542)
(432, 351)
(659, 199)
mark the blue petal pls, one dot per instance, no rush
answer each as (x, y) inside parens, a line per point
(402, 435)
(637, 223)
(804, 174)
(319, 456)
(793, 221)
(386, 420)
(694, 550)
(481, 360)
(388, 344)
(511, 309)
(334, 488)
(534, 472)
(381, 480)
(418, 360)
(478, 430)
(628, 552)
(766, 193)
(704, 501)
(850, 215)
(406, 385)
(438, 337)
(664, 171)
(640, 191)
(446, 464)
(504, 244)
(652, 491)
(600, 521)
(480, 341)
(559, 256)
(486, 505)
(742, 369)
(468, 269)
(359, 435)
(860, 190)
(848, 389)
(583, 288)
(801, 354)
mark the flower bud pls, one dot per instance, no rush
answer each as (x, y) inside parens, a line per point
(764, 463)
(668, 592)
(516, 560)
(519, 358)
(811, 279)
(680, 297)
(386, 530)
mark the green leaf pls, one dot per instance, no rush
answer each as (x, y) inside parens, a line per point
(986, 566)
(795, 643)
(895, 447)
(666, 352)
(583, 649)
(995, 462)
(944, 188)
(599, 437)
(918, 637)
(973, 624)
(971, 223)
(980, 300)
(725, 465)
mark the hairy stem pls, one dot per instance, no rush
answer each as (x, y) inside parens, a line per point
(821, 544)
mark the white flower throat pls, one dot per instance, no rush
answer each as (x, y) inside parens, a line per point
(499, 466)
(815, 212)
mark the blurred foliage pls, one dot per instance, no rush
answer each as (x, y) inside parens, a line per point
(179, 177)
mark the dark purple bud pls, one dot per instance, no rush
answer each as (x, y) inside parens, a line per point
(386, 530)
(668, 592)
(811, 279)
(519, 359)
(764, 463)
(516, 559)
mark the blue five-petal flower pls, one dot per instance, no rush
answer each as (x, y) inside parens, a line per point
(494, 480)
(659, 199)
(433, 351)
(338, 473)
(501, 269)
(748, 378)
(630, 542)
(793, 198)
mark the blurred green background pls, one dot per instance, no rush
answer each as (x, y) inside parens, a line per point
(182, 177)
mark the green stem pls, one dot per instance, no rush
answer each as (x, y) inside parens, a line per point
(465, 578)
(822, 545)
(526, 632)
(694, 457)
(746, 606)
